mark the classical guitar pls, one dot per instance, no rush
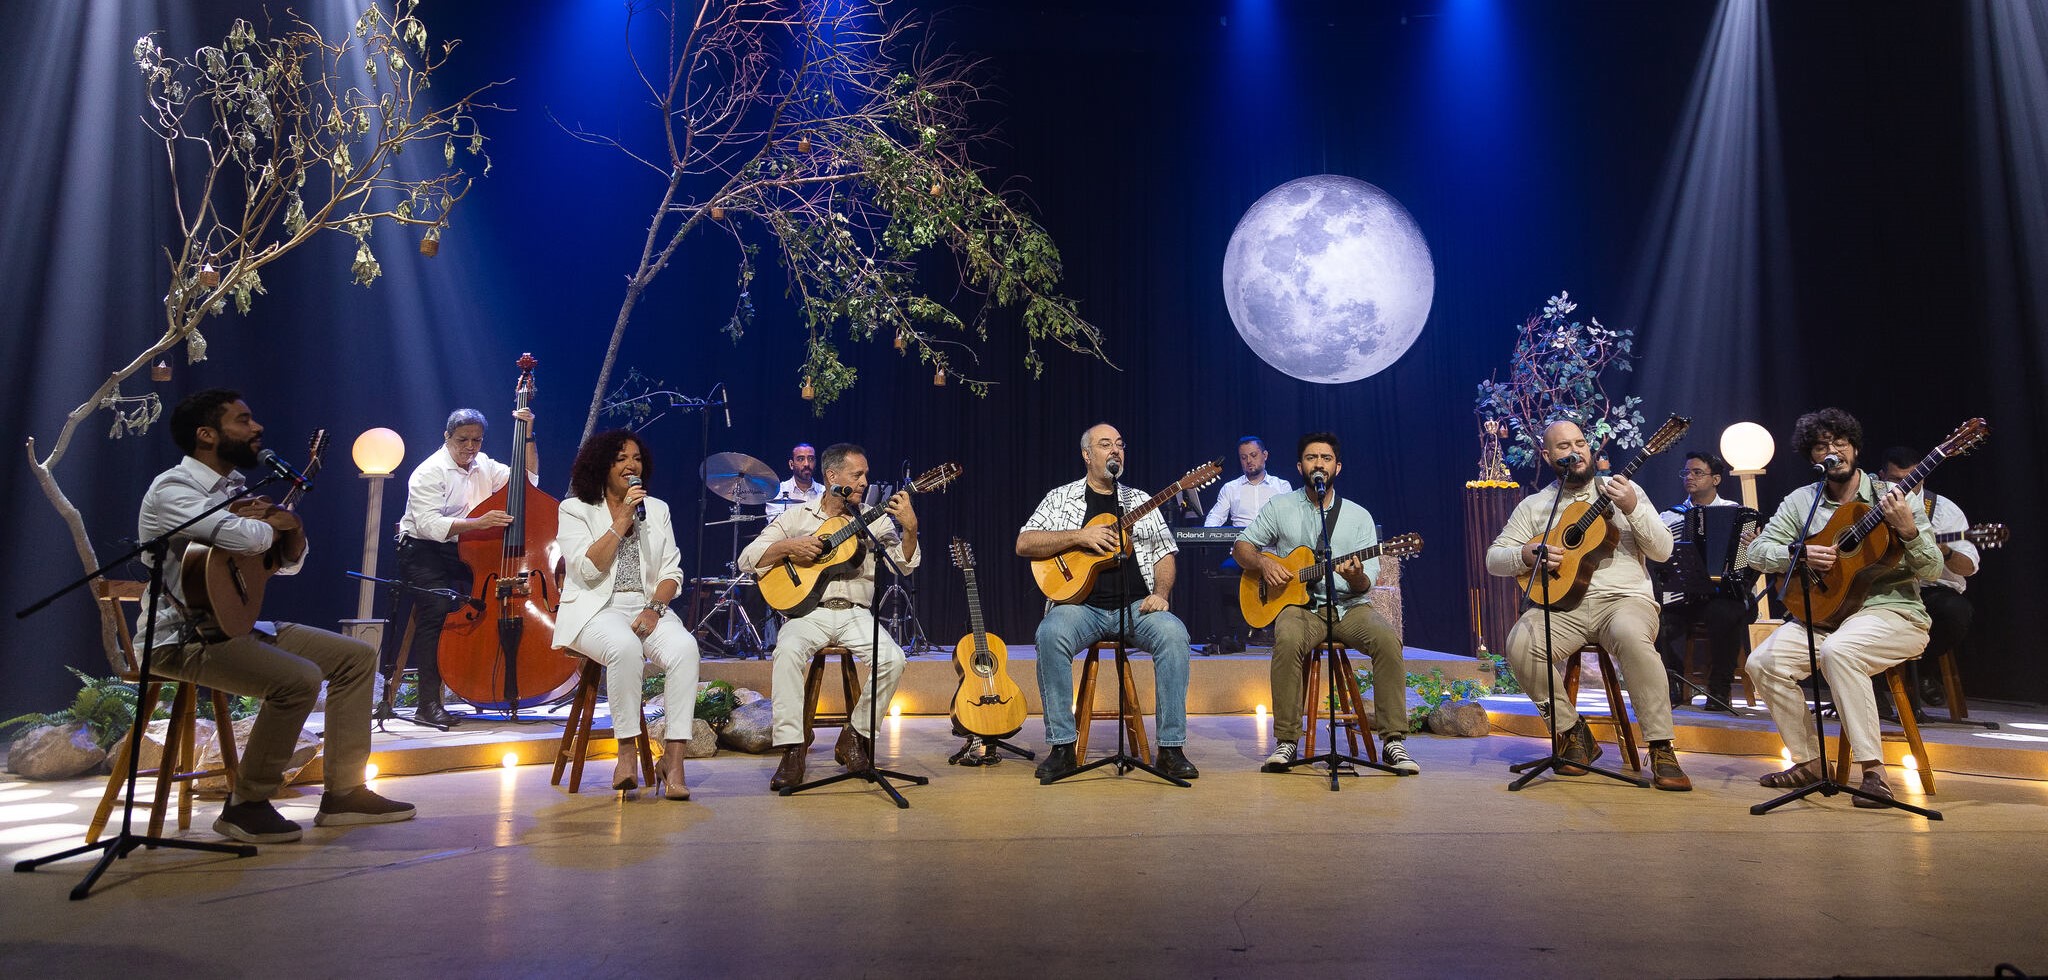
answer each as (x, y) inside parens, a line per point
(794, 588)
(1261, 605)
(224, 590)
(1981, 535)
(1864, 544)
(1584, 535)
(1070, 575)
(988, 702)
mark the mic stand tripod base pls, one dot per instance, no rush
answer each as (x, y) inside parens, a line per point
(1124, 763)
(1536, 767)
(1828, 787)
(879, 777)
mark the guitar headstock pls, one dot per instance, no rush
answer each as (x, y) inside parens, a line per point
(1667, 435)
(1199, 477)
(1402, 545)
(963, 555)
(936, 478)
(1987, 535)
(1965, 438)
(316, 447)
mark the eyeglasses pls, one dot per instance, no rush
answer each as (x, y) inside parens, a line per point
(1835, 443)
(1690, 472)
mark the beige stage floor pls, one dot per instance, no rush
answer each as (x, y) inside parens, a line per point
(990, 874)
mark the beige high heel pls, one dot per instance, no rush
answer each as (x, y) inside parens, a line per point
(673, 786)
(626, 770)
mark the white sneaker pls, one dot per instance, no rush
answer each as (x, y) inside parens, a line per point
(1281, 758)
(1395, 754)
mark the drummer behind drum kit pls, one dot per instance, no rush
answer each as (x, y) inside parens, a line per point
(745, 481)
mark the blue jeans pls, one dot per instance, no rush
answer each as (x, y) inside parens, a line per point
(1069, 629)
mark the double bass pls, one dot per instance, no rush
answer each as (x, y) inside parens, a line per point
(497, 652)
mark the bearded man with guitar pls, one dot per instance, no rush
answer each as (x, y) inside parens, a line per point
(839, 613)
(1888, 627)
(281, 663)
(1611, 603)
(1070, 546)
(1293, 521)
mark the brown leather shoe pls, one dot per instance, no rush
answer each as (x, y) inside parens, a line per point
(791, 771)
(842, 750)
(1580, 750)
(860, 755)
(1664, 771)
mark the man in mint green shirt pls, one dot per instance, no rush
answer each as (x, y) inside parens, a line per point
(1889, 628)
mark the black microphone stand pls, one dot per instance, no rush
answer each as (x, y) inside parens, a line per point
(387, 705)
(122, 844)
(1123, 760)
(1339, 763)
(1555, 760)
(1827, 786)
(872, 773)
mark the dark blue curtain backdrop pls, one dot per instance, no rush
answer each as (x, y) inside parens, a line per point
(1528, 140)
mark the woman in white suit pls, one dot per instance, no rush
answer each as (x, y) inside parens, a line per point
(623, 570)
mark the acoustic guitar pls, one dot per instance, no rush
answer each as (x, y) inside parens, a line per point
(1070, 575)
(1864, 544)
(1261, 606)
(794, 588)
(224, 590)
(988, 703)
(1985, 536)
(1584, 535)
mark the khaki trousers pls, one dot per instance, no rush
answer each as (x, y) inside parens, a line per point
(1867, 644)
(286, 673)
(1297, 632)
(1624, 626)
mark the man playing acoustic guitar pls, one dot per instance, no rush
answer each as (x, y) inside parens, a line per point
(1619, 609)
(1889, 628)
(841, 616)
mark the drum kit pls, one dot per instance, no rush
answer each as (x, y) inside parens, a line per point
(745, 481)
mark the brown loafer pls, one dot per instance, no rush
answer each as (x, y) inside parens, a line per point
(842, 750)
(1580, 750)
(1664, 771)
(860, 755)
(791, 771)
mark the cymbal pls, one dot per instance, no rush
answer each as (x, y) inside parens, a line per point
(739, 478)
(738, 519)
(788, 500)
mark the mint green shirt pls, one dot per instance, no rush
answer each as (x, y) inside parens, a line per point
(1896, 588)
(1290, 521)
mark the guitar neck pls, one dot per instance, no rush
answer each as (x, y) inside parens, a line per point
(1914, 477)
(974, 613)
(1317, 570)
(1135, 514)
(1604, 503)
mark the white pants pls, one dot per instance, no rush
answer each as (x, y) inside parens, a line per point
(608, 639)
(805, 635)
(1867, 644)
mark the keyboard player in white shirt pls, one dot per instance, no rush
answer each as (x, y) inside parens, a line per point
(1236, 505)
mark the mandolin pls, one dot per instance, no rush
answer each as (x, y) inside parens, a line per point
(988, 703)
(793, 588)
(1864, 544)
(1261, 608)
(1584, 535)
(224, 590)
(1070, 575)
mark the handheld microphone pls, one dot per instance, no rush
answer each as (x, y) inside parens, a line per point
(639, 509)
(277, 465)
(1827, 463)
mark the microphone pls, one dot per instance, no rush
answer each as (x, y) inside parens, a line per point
(1115, 468)
(1827, 463)
(725, 401)
(277, 465)
(639, 509)
(1568, 462)
(843, 493)
(1320, 482)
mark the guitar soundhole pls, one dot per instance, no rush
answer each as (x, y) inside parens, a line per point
(1572, 537)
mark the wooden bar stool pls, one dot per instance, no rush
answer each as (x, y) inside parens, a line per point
(1895, 678)
(1952, 688)
(814, 690)
(179, 759)
(1351, 718)
(577, 733)
(1624, 730)
(1133, 712)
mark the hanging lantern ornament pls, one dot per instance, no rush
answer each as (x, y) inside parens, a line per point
(717, 214)
(803, 143)
(160, 371)
(209, 277)
(809, 392)
(430, 246)
(935, 188)
(899, 341)
(939, 378)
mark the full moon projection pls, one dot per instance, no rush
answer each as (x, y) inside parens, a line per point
(1328, 279)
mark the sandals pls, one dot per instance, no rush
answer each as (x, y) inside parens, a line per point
(1800, 775)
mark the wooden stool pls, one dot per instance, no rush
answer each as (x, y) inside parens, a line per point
(576, 734)
(179, 761)
(814, 684)
(1133, 711)
(1624, 730)
(1895, 678)
(1350, 702)
(181, 749)
(1952, 687)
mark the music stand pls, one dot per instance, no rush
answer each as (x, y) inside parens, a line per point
(387, 705)
(127, 840)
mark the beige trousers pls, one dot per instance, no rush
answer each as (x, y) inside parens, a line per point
(1866, 644)
(1624, 626)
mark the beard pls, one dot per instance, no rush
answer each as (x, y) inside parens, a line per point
(1579, 477)
(240, 455)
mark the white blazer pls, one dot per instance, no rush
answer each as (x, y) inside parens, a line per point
(585, 588)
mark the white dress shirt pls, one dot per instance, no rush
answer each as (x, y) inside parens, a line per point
(858, 588)
(1240, 499)
(789, 489)
(439, 493)
(1944, 517)
(176, 496)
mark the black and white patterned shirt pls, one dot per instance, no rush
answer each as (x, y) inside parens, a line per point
(1066, 509)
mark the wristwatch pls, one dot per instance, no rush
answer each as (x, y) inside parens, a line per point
(654, 607)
